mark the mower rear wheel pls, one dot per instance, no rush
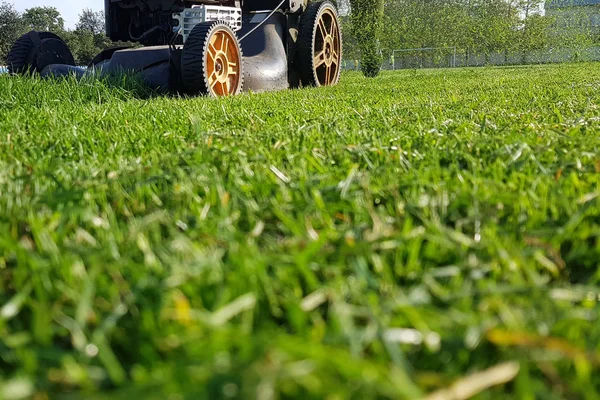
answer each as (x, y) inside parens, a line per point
(34, 51)
(211, 61)
(319, 45)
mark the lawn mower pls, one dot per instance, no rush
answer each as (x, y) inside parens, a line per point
(207, 47)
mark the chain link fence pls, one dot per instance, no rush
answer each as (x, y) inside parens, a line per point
(450, 57)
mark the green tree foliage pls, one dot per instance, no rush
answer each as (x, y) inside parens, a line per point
(471, 26)
(366, 26)
(85, 45)
(571, 27)
(11, 27)
(91, 21)
(44, 19)
(88, 38)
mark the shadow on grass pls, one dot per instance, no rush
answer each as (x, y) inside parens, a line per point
(122, 86)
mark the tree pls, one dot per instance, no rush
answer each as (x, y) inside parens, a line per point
(44, 19)
(367, 19)
(471, 26)
(85, 45)
(91, 21)
(88, 39)
(535, 26)
(11, 27)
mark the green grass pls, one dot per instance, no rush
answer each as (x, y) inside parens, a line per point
(380, 239)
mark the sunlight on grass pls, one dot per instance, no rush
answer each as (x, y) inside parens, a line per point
(385, 238)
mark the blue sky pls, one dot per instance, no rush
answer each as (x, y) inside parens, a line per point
(70, 9)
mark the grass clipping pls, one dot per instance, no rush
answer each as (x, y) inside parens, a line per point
(476, 383)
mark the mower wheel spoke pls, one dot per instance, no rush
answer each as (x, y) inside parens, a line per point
(232, 68)
(335, 57)
(319, 59)
(212, 79)
(225, 43)
(211, 56)
(212, 50)
(322, 28)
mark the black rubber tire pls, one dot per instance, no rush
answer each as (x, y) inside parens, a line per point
(52, 51)
(194, 76)
(307, 30)
(33, 51)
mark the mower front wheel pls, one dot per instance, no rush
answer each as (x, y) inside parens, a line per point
(211, 61)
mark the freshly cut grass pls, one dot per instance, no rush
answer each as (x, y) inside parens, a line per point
(425, 232)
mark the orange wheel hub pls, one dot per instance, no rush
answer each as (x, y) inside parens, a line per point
(223, 64)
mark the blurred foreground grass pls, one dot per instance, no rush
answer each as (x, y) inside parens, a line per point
(382, 238)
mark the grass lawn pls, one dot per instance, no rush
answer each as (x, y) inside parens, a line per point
(423, 231)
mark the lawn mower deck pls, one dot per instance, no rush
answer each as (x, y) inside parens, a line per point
(204, 47)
